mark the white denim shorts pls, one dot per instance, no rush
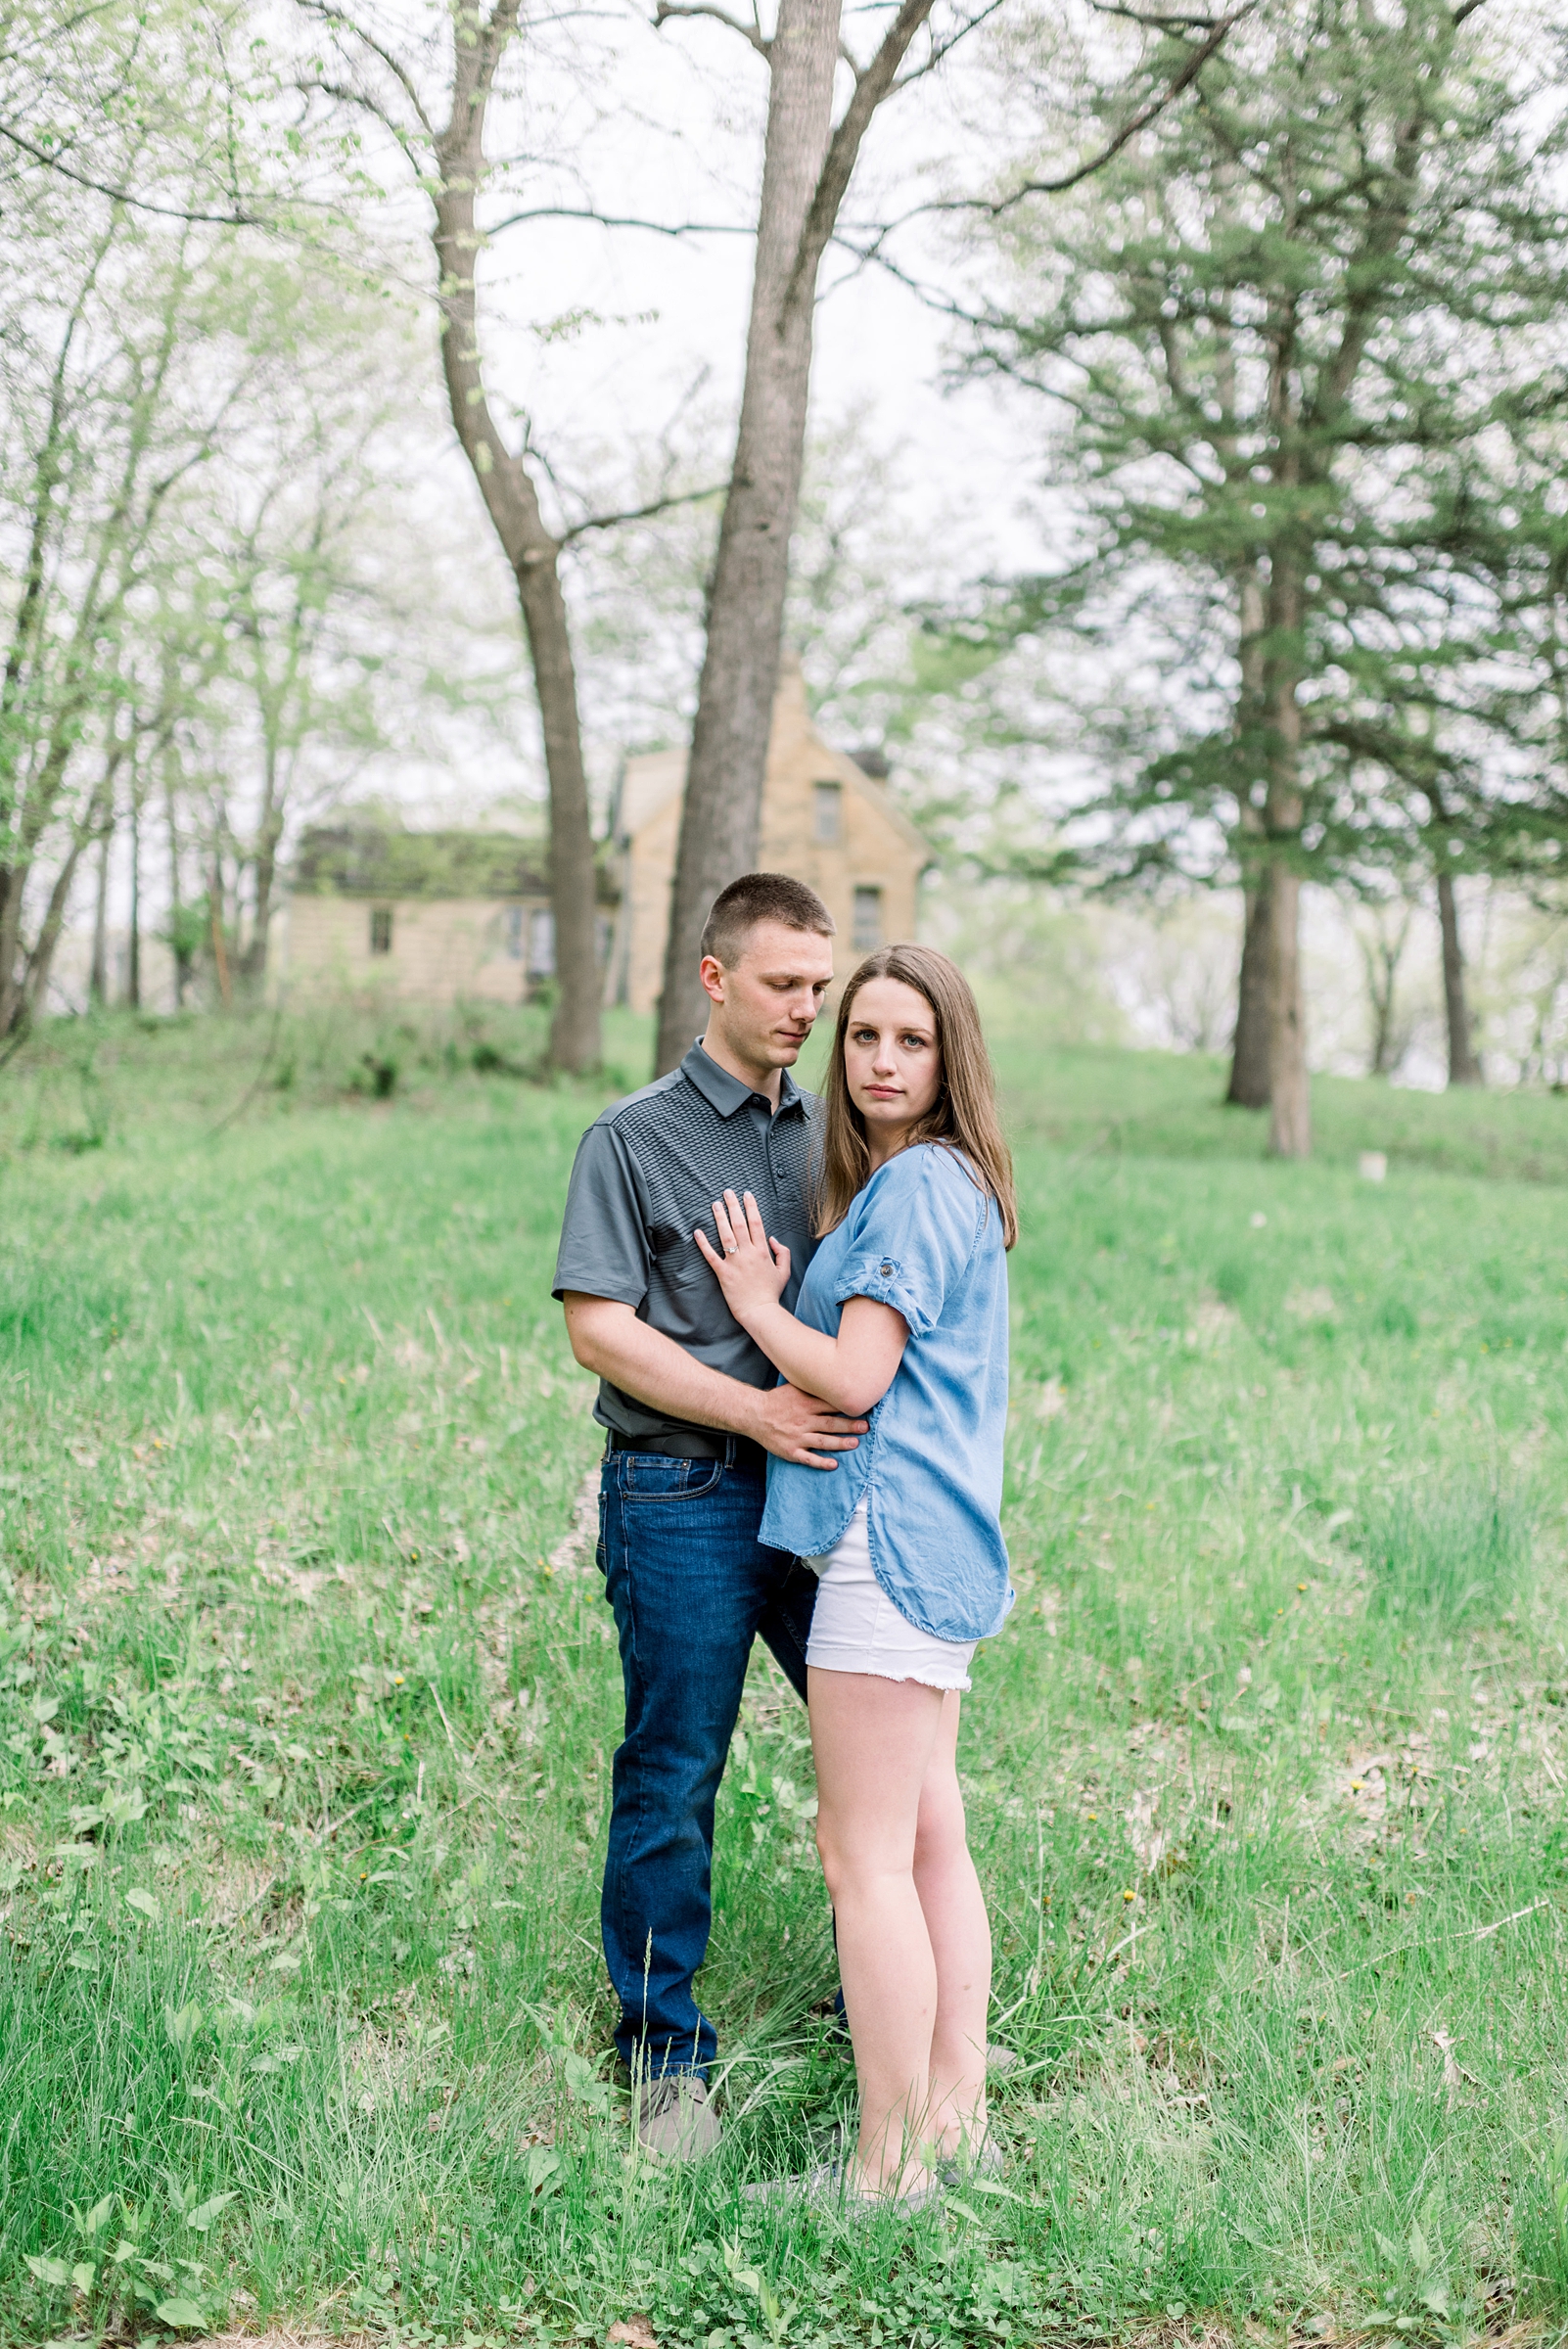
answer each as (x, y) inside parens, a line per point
(857, 1628)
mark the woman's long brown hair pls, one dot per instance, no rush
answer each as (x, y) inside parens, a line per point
(963, 1115)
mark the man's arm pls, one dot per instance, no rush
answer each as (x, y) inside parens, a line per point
(608, 1339)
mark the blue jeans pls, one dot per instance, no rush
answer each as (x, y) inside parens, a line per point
(691, 1587)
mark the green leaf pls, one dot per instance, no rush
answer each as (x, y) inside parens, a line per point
(201, 2218)
(50, 2270)
(1390, 2251)
(990, 2185)
(181, 2312)
(145, 1904)
(98, 2216)
(542, 2166)
(81, 2275)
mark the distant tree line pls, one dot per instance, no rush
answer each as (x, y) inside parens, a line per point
(1283, 282)
(1301, 352)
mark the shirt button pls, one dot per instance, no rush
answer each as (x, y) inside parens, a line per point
(886, 1272)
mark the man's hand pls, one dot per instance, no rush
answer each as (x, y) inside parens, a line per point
(802, 1427)
(608, 1338)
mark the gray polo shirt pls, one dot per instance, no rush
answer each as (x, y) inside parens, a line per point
(646, 1176)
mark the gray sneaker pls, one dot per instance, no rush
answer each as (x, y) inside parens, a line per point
(674, 2120)
(829, 2186)
(985, 2160)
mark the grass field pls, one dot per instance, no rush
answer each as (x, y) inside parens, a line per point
(307, 1698)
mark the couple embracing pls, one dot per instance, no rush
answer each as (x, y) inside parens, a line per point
(797, 1309)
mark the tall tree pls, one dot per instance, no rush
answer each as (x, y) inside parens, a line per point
(1263, 316)
(809, 163)
(441, 128)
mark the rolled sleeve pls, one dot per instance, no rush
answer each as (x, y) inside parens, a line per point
(604, 1234)
(917, 1239)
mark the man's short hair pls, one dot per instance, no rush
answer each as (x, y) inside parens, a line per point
(760, 898)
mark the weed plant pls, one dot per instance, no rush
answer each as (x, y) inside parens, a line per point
(308, 1696)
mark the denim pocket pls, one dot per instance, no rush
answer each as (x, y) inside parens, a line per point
(655, 1476)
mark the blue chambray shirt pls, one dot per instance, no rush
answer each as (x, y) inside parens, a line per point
(924, 1239)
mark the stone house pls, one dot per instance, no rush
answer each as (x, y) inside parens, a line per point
(427, 917)
(827, 818)
(445, 917)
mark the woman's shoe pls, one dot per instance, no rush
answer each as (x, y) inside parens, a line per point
(829, 2185)
(985, 2160)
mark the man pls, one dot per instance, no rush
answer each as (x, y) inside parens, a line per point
(692, 1408)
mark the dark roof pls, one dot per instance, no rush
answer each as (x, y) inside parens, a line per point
(872, 762)
(373, 860)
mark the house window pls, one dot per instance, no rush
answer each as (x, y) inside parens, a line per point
(542, 943)
(512, 932)
(381, 929)
(828, 813)
(867, 932)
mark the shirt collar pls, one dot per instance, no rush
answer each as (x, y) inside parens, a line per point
(727, 1094)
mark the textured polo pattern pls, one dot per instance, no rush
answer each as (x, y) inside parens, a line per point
(646, 1176)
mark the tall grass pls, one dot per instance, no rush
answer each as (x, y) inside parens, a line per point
(1449, 1551)
(308, 1704)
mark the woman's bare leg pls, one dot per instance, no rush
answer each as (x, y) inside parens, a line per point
(873, 1741)
(959, 1931)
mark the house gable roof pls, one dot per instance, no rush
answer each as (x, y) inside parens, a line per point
(650, 781)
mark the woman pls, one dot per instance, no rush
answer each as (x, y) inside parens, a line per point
(902, 1316)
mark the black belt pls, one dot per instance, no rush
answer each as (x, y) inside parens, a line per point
(736, 1452)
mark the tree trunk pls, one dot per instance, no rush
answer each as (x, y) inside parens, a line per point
(41, 961)
(722, 818)
(806, 169)
(133, 945)
(98, 974)
(1381, 961)
(220, 950)
(512, 503)
(178, 943)
(1290, 1133)
(264, 870)
(1249, 1055)
(1464, 1062)
(1289, 1106)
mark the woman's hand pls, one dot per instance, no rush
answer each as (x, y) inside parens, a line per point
(752, 1270)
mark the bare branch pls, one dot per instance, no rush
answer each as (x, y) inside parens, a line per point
(837, 166)
(1181, 80)
(993, 207)
(659, 505)
(942, 50)
(1155, 23)
(127, 196)
(657, 228)
(326, 14)
(666, 9)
